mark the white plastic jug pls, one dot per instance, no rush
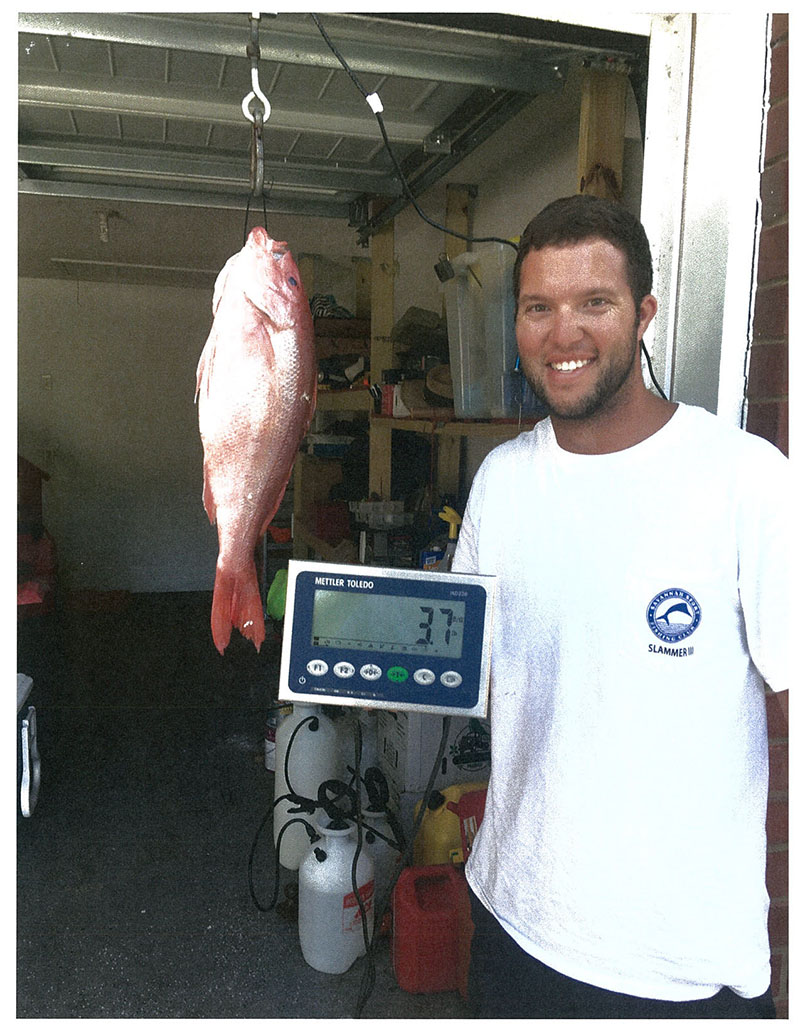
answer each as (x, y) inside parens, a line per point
(313, 759)
(385, 857)
(329, 915)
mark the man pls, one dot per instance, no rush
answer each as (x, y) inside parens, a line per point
(641, 553)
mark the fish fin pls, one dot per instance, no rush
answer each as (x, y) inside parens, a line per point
(205, 365)
(237, 603)
(208, 498)
(274, 509)
(219, 283)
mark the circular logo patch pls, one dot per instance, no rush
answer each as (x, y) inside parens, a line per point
(673, 615)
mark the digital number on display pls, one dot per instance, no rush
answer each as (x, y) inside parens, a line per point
(380, 622)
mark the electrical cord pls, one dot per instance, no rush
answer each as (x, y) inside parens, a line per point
(374, 102)
(368, 975)
(652, 375)
(329, 796)
(341, 790)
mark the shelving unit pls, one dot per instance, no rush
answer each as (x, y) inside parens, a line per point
(601, 138)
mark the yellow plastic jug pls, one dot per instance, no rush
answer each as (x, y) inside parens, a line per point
(439, 837)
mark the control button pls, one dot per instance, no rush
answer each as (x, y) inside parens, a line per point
(371, 672)
(424, 677)
(316, 667)
(397, 674)
(451, 679)
(343, 669)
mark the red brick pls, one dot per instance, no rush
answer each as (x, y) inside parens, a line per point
(779, 767)
(770, 420)
(768, 376)
(778, 873)
(780, 26)
(773, 253)
(777, 142)
(777, 822)
(776, 720)
(771, 318)
(775, 192)
(780, 971)
(778, 923)
(779, 71)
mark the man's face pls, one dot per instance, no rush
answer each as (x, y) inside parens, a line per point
(578, 330)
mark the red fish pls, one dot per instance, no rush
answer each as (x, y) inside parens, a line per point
(256, 393)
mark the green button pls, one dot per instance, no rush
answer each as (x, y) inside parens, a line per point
(397, 674)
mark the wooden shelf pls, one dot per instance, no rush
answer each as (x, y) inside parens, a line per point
(357, 400)
(503, 429)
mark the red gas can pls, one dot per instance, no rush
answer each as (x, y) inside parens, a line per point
(432, 929)
(469, 808)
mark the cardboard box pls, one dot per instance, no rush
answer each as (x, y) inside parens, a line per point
(408, 743)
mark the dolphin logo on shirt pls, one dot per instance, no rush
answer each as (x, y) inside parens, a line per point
(678, 619)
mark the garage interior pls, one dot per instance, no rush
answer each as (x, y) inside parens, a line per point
(139, 172)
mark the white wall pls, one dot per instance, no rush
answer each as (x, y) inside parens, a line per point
(115, 427)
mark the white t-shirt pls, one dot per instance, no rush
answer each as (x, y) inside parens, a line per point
(642, 603)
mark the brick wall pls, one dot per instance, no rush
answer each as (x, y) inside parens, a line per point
(768, 381)
(768, 416)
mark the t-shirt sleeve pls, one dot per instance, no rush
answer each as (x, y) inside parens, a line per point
(765, 564)
(466, 556)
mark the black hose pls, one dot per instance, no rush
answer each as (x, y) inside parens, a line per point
(368, 977)
(397, 167)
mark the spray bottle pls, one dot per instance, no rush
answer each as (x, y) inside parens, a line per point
(334, 901)
(306, 756)
(453, 520)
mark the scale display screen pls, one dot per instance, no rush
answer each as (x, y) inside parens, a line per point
(379, 622)
(387, 638)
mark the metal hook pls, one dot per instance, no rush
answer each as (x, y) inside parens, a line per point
(257, 159)
(254, 53)
(255, 92)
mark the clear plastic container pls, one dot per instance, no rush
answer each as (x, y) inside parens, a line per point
(466, 336)
(479, 301)
(497, 278)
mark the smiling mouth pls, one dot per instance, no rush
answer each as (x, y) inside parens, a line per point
(568, 365)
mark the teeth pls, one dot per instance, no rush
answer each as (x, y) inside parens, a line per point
(573, 364)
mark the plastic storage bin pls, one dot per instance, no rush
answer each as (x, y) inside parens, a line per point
(432, 929)
(479, 302)
(466, 336)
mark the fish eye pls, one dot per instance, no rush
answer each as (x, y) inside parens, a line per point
(292, 281)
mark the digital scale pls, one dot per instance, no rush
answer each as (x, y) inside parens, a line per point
(374, 637)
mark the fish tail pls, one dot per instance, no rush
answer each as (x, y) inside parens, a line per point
(237, 603)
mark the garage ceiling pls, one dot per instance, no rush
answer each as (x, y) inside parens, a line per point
(149, 107)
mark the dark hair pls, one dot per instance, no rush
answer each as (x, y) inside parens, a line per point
(580, 217)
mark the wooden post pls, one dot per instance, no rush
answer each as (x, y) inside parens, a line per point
(361, 280)
(458, 216)
(601, 138)
(459, 213)
(305, 264)
(381, 354)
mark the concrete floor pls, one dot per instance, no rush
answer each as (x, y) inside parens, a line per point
(133, 897)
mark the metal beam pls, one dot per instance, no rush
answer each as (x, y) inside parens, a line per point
(113, 192)
(45, 88)
(433, 168)
(185, 168)
(379, 46)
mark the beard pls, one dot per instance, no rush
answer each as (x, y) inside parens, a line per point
(602, 395)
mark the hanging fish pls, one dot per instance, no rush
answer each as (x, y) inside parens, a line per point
(256, 393)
